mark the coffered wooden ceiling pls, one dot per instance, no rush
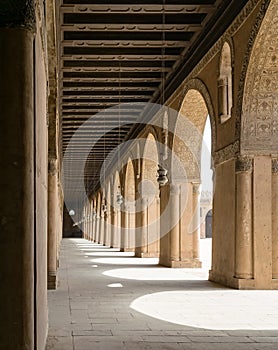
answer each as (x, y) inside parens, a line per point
(121, 51)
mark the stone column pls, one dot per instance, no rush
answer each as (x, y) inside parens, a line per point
(98, 226)
(164, 254)
(93, 224)
(196, 220)
(175, 219)
(144, 225)
(127, 228)
(275, 218)
(108, 227)
(91, 220)
(53, 217)
(85, 222)
(114, 228)
(141, 223)
(112, 219)
(244, 237)
(124, 229)
(104, 215)
(17, 174)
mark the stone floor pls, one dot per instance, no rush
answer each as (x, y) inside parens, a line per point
(110, 300)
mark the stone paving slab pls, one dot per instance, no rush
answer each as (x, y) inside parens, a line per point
(104, 303)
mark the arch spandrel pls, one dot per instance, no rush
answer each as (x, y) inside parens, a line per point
(259, 122)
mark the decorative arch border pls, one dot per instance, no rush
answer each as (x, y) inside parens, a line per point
(241, 88)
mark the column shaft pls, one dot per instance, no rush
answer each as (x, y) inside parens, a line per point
(144, 225)
(53, 218)
(196, 221)
(244, 254)
(275, 219)
(175, 220)
(17, 186)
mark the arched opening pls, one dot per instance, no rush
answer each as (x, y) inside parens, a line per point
(206, 198)
(116, 195)
(225, 84)
(184, 190)
(147, 244)
(107, 215)
(209, 224)
(128, 209)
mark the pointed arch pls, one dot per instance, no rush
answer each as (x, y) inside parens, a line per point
(225, 83)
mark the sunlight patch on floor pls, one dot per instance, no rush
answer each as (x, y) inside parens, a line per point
(158, 274)
(126, 261)
(216, 310)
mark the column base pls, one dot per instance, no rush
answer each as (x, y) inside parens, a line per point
(148, 255)
(52, 281)
(186, 263)
(127, 250)
(274, 283)
(241, 283)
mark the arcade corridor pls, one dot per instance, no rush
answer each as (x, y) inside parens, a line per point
(110, 300)
(104, 107)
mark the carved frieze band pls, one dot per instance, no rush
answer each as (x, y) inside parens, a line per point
(244, 163)
(18, 13)
(226, 153)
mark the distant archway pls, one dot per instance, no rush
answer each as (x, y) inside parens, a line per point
(128, 209)
(147, 244)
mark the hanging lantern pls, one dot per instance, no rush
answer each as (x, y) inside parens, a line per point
(119, 199)
(162, 178)
(71, 212)
(104, 208)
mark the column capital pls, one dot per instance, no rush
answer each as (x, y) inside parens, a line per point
(275, 166)
(18, 13)
(244, 164)
(196, 188)
(174, 189)
(52, 166)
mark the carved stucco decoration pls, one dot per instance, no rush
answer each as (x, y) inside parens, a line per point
(186, 153)
(18, 13)
(226, 153)
(259, 126)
